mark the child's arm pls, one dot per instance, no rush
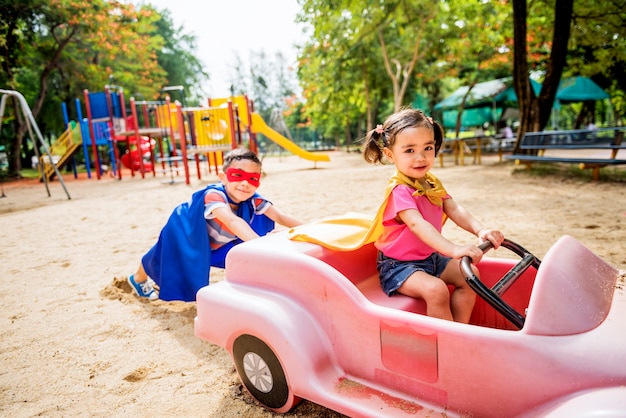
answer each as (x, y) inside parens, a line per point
(281, 218)
(234, 223)
(414, 220)
(460, 216)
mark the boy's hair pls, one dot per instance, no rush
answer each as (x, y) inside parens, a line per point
(376, 139)
(239, 154)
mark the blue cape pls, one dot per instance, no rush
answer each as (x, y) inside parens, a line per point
(181, 260)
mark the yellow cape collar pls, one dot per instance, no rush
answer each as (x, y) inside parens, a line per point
(351, 231)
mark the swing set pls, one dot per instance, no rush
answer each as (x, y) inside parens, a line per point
(47, 164)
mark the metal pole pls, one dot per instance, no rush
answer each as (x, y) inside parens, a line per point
(32, 124)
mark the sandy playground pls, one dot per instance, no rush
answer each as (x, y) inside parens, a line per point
(75, 342)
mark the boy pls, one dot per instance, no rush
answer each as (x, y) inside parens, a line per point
(200, 233)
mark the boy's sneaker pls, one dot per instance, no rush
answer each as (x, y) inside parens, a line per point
(143, 290)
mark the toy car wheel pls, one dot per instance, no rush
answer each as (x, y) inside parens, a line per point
(261, 373)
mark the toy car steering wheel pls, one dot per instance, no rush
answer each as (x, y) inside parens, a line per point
(493, 296)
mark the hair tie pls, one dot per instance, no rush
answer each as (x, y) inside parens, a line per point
(430, 119)
(379, 129)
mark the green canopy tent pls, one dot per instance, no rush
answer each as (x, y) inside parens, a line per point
(577, 89)
(471, 117)
(490, 101)
(486, 102)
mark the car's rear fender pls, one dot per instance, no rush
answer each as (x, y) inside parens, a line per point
(602, 402)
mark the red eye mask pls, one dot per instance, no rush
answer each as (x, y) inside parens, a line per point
(236, 174)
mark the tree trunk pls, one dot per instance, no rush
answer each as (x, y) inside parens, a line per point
(558, 58)
(459, 115)
(20, 131)
(401, 73)
(369, 108)
(535, 111)
(586, 115)
(525, 95)
(347, 134)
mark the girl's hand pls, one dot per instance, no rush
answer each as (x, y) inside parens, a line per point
(472, 251)
(492, 235)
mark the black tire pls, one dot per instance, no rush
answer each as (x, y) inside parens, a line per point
(261, 372)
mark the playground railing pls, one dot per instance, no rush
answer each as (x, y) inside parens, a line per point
(166, 116)
(62, 149)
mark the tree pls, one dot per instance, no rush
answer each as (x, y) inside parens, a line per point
(478, 32)
(535, 111)
(52, 47)
(408, 25)
(340, 78)
(51, 50)
(344, 72)
(380, 54)
(267, 80)
(178, 59)
(598, 49)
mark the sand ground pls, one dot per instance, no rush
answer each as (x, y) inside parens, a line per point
(75, 342)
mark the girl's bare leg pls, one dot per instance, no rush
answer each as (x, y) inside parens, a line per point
(463, 297)
(434, 292)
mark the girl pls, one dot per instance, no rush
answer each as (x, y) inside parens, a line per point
(414, 258)
(200, 233)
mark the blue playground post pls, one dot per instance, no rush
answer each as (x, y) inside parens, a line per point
(101, 136)
(66, 121)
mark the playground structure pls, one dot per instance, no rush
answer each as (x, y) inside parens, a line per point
(48, 163)
(165, 137)
(255, 124)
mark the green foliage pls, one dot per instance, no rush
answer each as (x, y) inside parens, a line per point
(345, 79)
(178, 59)
(52, 50)
(362, 59)
(365, 59)
(598, 47)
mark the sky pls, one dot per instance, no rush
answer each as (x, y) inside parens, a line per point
(226, 27)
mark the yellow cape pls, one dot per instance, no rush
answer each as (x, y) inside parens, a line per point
(353, 230)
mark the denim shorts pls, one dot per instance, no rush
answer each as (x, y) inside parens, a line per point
(393, 273)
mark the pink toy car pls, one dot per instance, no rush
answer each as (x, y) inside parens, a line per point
(546, 339)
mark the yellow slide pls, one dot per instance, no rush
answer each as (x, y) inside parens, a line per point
(260, 127)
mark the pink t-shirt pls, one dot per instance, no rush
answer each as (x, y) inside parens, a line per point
(397, 241)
